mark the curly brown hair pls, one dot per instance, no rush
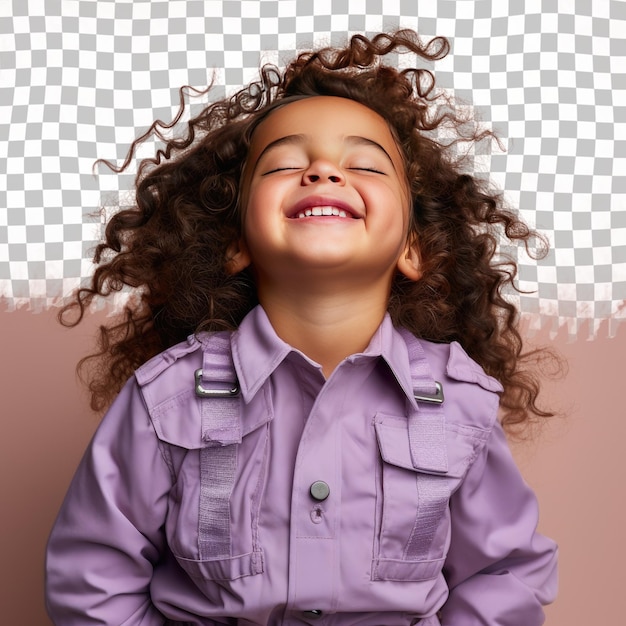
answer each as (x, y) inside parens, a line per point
(172, 245)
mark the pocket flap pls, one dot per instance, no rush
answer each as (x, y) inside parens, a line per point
(392, 434)
(178, 421)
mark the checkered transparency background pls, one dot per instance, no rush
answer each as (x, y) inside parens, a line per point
(79, 80)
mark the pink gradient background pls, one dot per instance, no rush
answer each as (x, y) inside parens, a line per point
(576, 466)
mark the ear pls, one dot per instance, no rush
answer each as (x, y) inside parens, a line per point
(238, 257)
(409, 261)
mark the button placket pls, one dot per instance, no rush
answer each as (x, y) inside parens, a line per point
(314, 523)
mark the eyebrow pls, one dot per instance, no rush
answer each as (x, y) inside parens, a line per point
(281, 141)
(355, 140)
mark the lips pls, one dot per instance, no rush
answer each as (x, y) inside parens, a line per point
(322, 206)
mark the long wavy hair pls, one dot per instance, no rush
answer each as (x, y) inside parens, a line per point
(171, 247)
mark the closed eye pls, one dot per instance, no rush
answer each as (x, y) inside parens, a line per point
(279, 169)
(368, 169)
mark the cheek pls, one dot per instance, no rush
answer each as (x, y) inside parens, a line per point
(250, 202)
(256, 223)
(257, 196)
(400, 214)
(406, 203)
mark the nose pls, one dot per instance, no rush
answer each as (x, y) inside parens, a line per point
(322, 170)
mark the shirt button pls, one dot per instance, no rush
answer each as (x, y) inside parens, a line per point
(320, 490)
(313, 614)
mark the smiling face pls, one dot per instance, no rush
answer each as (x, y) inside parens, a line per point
(324, 192)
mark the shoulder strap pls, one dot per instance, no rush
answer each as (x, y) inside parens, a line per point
(216, 384)
(427, 424)
(429, 451)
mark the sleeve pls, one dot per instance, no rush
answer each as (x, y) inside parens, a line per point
(500, 571)
(109, 532)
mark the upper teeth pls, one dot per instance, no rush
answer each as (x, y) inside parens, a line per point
(322, 210)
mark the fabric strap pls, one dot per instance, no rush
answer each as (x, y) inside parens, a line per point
(222, 431)
(427, 440)
(427, 425)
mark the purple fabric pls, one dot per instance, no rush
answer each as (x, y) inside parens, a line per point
(399, 541)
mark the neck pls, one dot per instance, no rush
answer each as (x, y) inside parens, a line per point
(326, 325)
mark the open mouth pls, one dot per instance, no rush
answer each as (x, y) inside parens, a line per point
(323, 211)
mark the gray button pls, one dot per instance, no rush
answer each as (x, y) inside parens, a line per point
(320, 490)
(313, 614)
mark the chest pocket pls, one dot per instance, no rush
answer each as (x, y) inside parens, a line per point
(424, 458)
(414, 494)
(212, 524)
(218, 462)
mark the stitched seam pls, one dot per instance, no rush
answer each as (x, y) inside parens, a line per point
(256, 496)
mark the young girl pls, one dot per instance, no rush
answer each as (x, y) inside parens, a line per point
(311, 442)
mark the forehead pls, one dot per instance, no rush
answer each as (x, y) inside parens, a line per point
(323, 118)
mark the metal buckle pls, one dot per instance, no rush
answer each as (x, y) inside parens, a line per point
(214, 393)
(433, 398)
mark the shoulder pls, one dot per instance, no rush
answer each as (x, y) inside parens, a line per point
(458, 365)
(168, 381)
(165, 374)
(163, 361)
(471, 396)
